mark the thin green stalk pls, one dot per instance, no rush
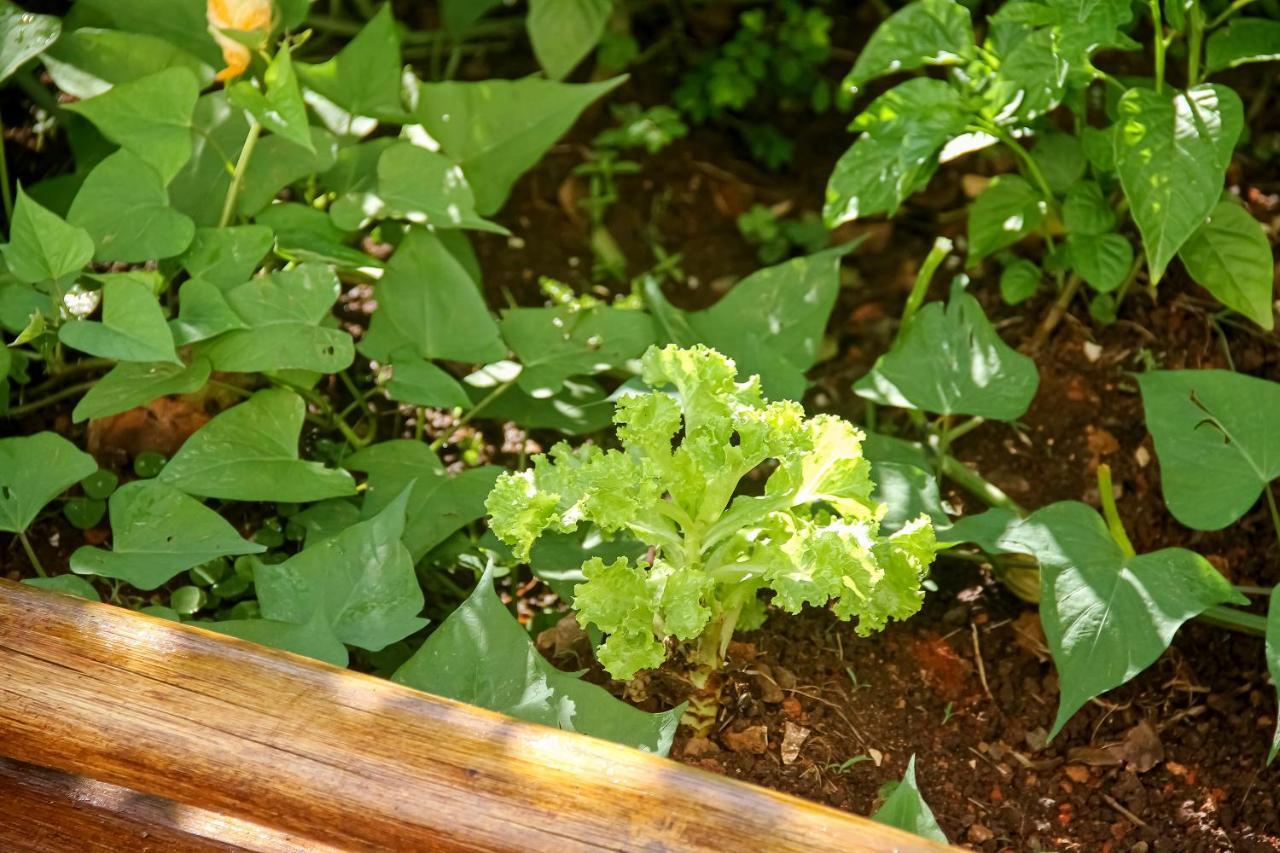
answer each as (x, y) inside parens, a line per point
(971, 481)
(1235, 620)
(941, 247)
(5, 190)
(966, 427)
(1108, 499)
(31, 554)
(1157, 25)
(56, 397)
(1227, 13)
(1275, 514)
(1195, 40)
(1024, 156)
(237, 179)
(475, 410)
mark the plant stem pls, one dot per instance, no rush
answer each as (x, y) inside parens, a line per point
(1157, 26)
(1275, 514)
(475, 410)
(5, 190)
(941, 247)
(1024, 156)
(1195, 38)
(1235, 620)
(58, 396)
(1056, 313)
(1107, 498)
(1227, 13)
(31, 554)
(971, 481)
(237, 179)
(966, 427)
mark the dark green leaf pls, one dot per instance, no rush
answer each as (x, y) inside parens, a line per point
(280, 108)
(35, 469)
(906, 809)
(279, 161)
(926, 32)
(1061, 159)
(951, 361)
(218, 134)
(67, 585)
(771, 323)
(314, 639)
(902, 132)
(158, 532)
(1108, 616)
(362, 580)
(1216, 440)
(563, 32)
(89, 61)
(129, 385)
(1086, 211)
(580, 408)
(1008, 210)
(1243, 40)
(1030, 82)
(227, 257)
(1230, 256)
(428, 301)
(364, 77)
(1019, 281)
(1172, 154)
(481, 655)
(42, 245)
(250, 453)
(124, 207)
(183, 23)
(1102, 261)
(496, 130)
(555, 344)
(133, 327)
(420, 383)
(203, 313)
(150, 116)
(23, 37)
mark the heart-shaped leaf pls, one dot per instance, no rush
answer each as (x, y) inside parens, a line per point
(428, 302)
(1243, 40)
(129, 385)
(1172, 153)
(124, 207)
(951, 361)
(926, 32)
(1215, 436)
(157, 532)
(1230, 256)
(150, 116)
(1007, 211)
(133, 326)
(420, 383)
(42, 245)
(771, 323)
(280, 109)
(250, 453)
(483, 656)
(35, 469)
(439, 504)
(563, 32)
(227, 257)
(314, 639)
(88, 61)
(497, 129)
(364, 77)
(362, 580)
(203, 313)
(1107, 616)
(555, 344)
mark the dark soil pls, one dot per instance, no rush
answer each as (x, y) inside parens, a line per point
(1173, 761)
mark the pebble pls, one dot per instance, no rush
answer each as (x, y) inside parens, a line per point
(979, 834)
(753, 740)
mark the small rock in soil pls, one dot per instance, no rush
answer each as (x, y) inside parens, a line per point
(753, 740)
(1141, 747)
(979, 834)
(698, 747)
(792, 708)
(766, 686)
(793, 738)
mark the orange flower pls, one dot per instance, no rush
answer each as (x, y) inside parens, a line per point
(242, 16)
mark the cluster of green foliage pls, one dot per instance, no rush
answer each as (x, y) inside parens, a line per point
(1141, 155)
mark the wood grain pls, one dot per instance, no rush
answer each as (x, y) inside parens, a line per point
(52, 812)
(351, 761)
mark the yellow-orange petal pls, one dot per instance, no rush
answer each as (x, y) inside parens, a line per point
(235, 54)
(242, 15)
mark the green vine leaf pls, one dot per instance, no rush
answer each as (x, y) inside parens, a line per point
(35, 469)
(158, 532)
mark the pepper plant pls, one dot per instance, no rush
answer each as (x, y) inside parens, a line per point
(1127, 152)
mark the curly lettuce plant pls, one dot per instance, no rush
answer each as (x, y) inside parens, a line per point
(812, 537)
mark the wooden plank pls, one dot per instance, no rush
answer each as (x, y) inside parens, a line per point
(52, 812)
(354, 761)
